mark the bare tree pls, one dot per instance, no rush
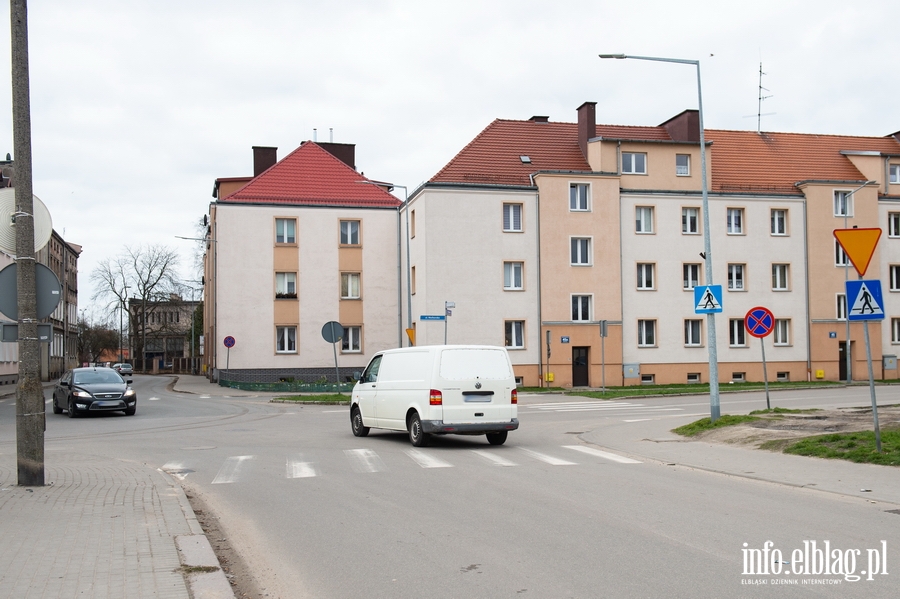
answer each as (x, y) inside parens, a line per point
(94, 340)
(145, 274)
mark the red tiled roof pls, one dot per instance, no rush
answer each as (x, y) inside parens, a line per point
(311, 176)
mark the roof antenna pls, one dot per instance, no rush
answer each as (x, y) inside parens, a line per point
(759, 113)
(315, 135)
(331, 135)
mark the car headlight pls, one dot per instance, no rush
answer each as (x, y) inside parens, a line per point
(81, 393)
(129, 392)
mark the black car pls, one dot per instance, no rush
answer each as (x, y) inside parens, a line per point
(83, 390)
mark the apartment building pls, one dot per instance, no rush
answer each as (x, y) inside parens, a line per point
(307, 240)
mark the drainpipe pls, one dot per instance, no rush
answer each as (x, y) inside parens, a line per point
(400, 279)
(806, 262)
(537, 219)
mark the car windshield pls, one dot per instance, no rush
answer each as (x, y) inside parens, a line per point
(97, 376)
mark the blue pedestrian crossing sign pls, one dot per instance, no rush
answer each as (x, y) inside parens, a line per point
(864, 300)
(707, 299)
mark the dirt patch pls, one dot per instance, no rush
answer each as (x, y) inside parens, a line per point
(790, 427)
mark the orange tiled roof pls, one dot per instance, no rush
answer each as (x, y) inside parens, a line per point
(311, 176)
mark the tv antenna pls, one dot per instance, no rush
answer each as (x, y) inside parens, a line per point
(759, 113)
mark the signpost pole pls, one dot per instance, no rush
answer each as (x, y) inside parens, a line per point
(335, 336)
(872, 387)
(762, 344)
(603, 332)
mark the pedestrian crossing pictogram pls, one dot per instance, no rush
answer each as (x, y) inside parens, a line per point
(864, 299)
(707, 299)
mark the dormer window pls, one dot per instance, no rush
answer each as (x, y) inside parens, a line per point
(525, 159)
(634, 163)
(895, 173)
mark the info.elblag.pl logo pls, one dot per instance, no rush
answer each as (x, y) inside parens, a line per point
(816, 560)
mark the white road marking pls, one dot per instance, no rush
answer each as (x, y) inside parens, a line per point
(425, 460)
(152, 399)
(602, 454)
(47, 401)
(176, 469)
(548, 459)
(334, 411)
(365, 460)
(638, 420)
(493, 457)
(297, 468)
(230, 470)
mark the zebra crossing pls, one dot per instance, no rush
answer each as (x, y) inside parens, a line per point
(367, 461)
(613, 407)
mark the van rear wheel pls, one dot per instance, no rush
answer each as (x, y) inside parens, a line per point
(498, 438)
(356, 423)
(416, 435)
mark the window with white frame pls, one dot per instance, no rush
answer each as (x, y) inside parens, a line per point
(895, 277)
(512, 218)
(690, 221)
(579, 197)
(843, 203)
(895, 330)
(683, 165)
(691, 276)
(350, 342)
(643, 219)
(736, 277)
(512, 276)
(735, 221)
(781, 277)
(779, 221)
(645, 274)
(841, 306)
(895, 173)
(285, 230)
(581, 251)
(286, 340)
(634, 163)
(782, 331)
(581, 307)
(285, 285)
(736, 336)
(840, 256)
(893, 224)
(349, 232)
(646, 333)
(515, 334)
(350, 285)
(692, 331)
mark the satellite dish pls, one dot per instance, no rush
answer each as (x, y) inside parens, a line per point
(43, 225)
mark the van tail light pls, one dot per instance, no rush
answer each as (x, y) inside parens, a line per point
(514, 397)
(435, 398)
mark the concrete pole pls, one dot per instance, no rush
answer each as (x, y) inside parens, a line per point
(30, 415)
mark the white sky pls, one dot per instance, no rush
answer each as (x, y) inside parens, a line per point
(138, 106)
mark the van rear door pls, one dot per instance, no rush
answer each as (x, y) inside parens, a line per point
(476, 384)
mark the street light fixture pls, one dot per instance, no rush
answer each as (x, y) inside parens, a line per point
(714, 408)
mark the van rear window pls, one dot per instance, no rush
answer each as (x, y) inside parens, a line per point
(468, 363)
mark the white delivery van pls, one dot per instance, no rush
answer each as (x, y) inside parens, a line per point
(437, 390)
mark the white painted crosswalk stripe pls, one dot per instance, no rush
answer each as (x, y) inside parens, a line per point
(548, 459)
(364, 460)
(231, 469)
(297, 467)
(426, 460)
(493, 457)
(602, 454)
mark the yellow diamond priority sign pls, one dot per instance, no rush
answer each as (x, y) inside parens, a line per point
(859, 245)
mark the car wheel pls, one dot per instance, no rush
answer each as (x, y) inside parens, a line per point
(56, 408)
(498, 438)
(72, 412)
(130, 411)
(416, 436)
(356, 423)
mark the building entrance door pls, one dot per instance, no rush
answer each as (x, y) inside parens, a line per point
(580, 364)
(842, 359)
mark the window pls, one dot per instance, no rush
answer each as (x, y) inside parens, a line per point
(893, 224)
(738, 377)
(646, 333)
(512, 276)
(736, 333)
(350, 285)
(412, 224)
(648, 379)
(579, 196)
(643, 219)
(781, 277)
(682, 165)
(285, 230)
(581, 307)
(782, 331)
(841, 306)
(349, 232)
(286, 340)
(735, 277)
(843, 203)
(895, 330)
(634, 163)
(350, 340)
(285, 285)
(692, 329)
(782, 377)
(645, 276)
(895, 277)
(412, 280)
(693, 377)
(840, 257)
(581, 251)
(691, 275)
(779, 222)
(515, 334)
(895, 173)
(512, 218)
(690, 221)
(735, 221)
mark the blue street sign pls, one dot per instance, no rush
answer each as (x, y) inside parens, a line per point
(432, 317)
(759, 321)
(564, 339)
(707, 299)
(864, 300)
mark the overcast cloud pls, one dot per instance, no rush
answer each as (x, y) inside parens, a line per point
(137, 107)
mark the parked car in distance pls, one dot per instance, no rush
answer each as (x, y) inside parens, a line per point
(93, 389)
(437, 390)
(123, 369)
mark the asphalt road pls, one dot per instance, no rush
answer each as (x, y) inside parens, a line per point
(319, 513)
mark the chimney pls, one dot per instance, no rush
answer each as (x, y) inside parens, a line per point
(894, 135)
(587, 125)
(346, 153)
(540, 119)
(684, 126)
(263, 158)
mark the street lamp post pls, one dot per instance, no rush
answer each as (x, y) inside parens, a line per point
(847, 358)
(121, 310)
(714, 408)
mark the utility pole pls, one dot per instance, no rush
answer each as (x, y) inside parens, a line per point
(30, 409)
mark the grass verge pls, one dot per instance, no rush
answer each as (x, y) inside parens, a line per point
(326, 398)
(856, 447)
(705, 424)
